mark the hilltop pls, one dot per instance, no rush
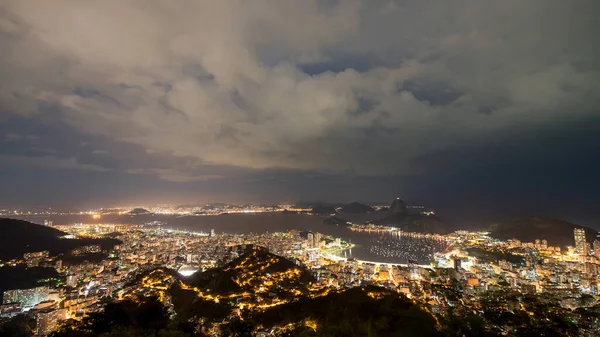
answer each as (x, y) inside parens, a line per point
(139, 211)
(356, 207)
(18, 237)
(528, 228)
(256, 271)
(323, 209)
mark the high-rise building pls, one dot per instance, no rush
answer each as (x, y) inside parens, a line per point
(317, 240)
(10, 309)
(457, 263)
(532, 257)
(413, 269)
(310, 239)
(28, 298)
(597, 247)
(72, 280)
(580, 243)
(47, 320)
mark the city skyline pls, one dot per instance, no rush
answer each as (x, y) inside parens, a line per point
(477, 110)
(253, 275)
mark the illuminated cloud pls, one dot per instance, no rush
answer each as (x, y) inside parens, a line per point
(347, 88)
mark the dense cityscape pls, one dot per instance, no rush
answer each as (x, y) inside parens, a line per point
(470, 273)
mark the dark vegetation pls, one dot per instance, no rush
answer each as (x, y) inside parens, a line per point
(188, 305)
(148, 317)
(19, 237)
(22, 277)
(364, 311)
(19, 326)
(252, 266)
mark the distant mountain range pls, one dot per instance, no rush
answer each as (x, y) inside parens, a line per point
(323, 208)
(396, 215)
(528, 228)
(356, 207)
(18, 237)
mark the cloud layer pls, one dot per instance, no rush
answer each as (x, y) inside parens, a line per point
(204, 90)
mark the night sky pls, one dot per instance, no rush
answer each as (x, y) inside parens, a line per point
(475, 108)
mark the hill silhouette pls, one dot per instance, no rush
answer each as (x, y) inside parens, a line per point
(139, 211)
(394, 216)
(528, 228)
(398, 206)
(335, 221)
(18, 237)
(356, 207)
(321, 209)
(360, 311)
(256, 269)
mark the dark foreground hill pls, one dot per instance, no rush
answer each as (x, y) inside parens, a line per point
(362, 311)
(18, 237)
(256, 270)
(365, 311)
(528, 228)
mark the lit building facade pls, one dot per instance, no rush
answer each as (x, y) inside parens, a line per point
(580, 243)
(28, 298)
(47, 320)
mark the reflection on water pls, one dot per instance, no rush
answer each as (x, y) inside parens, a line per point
(370, 246)
(392, 247)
